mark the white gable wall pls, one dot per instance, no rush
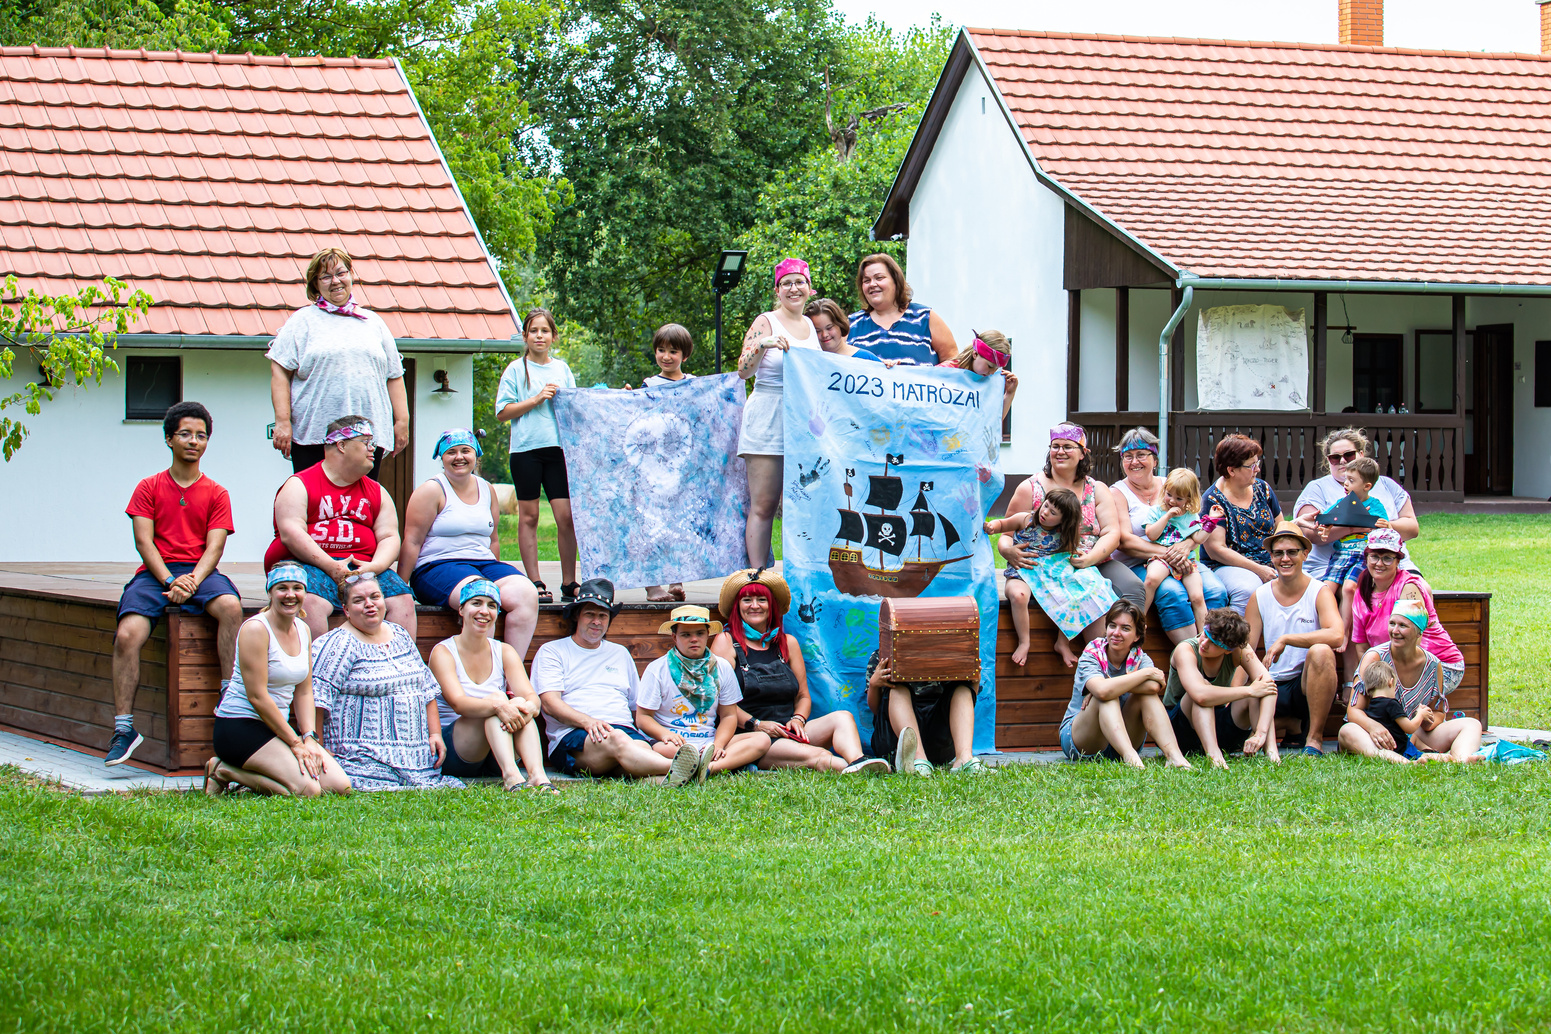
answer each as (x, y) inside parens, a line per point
(66, 489)
(986, 252)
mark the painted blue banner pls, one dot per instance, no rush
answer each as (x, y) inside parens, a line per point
(658, 493)
(889, 474)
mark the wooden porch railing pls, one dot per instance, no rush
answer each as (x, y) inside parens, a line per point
(1423, 452)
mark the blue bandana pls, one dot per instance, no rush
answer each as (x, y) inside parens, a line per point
(287, 572)
(760, 640)
(479, 587)
(456, 436)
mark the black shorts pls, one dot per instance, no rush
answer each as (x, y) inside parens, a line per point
(540, 468)
(457, 766)
(931, 719)
(238, 739)
(1230, 738)
(1291, 703)
(304, 456)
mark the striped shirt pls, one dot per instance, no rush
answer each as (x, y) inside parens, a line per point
(908, 339)
(1428, 688)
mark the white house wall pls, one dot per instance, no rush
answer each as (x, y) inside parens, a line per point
(64, 493)
(1150, 312)
(986, 252)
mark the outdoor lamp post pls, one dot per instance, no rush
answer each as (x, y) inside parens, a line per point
(729, 270)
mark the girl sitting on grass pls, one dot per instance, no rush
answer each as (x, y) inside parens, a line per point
(1177, 520)
(1075, 598)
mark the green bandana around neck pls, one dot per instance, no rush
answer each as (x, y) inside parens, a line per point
(696, 679)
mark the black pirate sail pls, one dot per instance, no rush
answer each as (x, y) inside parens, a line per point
(885, 535)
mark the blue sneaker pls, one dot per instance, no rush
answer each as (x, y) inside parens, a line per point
(122, 746)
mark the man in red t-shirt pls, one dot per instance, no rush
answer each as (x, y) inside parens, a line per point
(336, 521)
(181, 520)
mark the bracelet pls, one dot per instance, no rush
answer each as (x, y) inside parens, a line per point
(309, 733)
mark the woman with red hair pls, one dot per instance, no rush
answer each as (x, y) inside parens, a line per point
(774, 681)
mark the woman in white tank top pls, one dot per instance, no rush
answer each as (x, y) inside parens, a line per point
(255, 744)
(761, 442)
(485, 730)
(452, 536)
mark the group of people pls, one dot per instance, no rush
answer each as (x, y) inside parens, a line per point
(371, 714)
(1270, 618)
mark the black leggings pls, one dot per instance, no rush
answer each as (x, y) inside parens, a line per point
(540, 468)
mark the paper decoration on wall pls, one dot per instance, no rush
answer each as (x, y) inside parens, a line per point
(888, 476)
(658, 493)
(1252, 357)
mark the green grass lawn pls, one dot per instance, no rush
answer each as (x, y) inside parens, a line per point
(1332, 895)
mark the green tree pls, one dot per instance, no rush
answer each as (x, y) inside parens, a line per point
(162, 25)
(66, 336)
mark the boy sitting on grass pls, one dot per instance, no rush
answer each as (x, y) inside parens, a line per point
(672, 346)
(690, 696)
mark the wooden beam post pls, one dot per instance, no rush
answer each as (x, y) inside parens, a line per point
(1321, 349)
(1073, 350)
(1122, 349)
(1176, 380)
(1459, 388)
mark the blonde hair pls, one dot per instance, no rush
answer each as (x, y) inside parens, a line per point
(1184, 483)
(995, 338)
(316, 266)
(1378, 674)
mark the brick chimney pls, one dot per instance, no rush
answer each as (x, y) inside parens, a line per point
(1362, 22)
(1545, 26)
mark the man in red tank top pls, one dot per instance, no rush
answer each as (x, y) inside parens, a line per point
(336, 522)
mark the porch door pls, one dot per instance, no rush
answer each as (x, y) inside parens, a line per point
(1489, 420)
(398, 472)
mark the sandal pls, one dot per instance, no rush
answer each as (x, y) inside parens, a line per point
(547, 789)
(214, 787)
(545, 596)
(568, 591)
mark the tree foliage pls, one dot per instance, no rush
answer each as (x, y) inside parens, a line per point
(66, 336)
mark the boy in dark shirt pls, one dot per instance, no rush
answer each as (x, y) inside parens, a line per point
(1383, 708)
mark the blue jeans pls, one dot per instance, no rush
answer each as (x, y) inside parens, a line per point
(1173, 602)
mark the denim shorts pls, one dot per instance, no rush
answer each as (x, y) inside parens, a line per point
(143, 594)
(1073, 754)
(563, 760)
(455, 765)
(433, 582)
(320, 584)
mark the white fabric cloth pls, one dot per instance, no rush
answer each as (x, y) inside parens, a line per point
(342, 366)
(286, 672)
(657, 380)
(1323, 493)
(769, 372)
(1252, 357)
(661, 695)
(535, 429)
(461, 530)
(1277, 621)
(601, 683)
(494, 684)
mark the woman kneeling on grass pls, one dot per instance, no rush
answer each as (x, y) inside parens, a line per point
(1117, 696)
(1420, 687)
(774, 681)
(254, 744)
(482, 680)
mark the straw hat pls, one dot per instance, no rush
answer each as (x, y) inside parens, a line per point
(689, 614)
(1286, 529)
(738, 579)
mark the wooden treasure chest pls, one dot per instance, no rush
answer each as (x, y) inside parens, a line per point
(931, 640)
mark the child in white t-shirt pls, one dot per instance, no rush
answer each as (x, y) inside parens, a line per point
(672, 346)
(690, 695)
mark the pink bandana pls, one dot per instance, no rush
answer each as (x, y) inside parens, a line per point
(347, 309)
(792, 265)
(1071, 432)
(1099, 651)
(991, 355)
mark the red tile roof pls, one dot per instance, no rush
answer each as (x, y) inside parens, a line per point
(210, 181)
(1295, 160)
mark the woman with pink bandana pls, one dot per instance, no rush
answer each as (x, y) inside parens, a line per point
(761, 443)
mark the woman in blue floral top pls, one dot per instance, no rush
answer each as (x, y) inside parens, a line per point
(1235, 549)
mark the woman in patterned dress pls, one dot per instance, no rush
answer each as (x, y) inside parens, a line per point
(1236, 547)
(376, 699)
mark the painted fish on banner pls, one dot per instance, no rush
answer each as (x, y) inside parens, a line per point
(889, 474)
(658, 492)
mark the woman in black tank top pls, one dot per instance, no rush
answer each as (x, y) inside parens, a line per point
(774, 681)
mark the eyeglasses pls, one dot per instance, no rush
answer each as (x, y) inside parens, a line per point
(1280, 554)
(1054, 447)
(191, 436)
(1341, 457)
(1382, 559)
(792, 282)
(334, 278)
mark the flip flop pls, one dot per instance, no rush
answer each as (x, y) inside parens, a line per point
(546, 789)
(219, 787)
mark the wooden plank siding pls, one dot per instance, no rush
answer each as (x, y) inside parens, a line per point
(56, 657)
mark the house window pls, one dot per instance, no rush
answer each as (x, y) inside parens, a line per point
(1376, 372)
(1543, 373)
(153, 384)
(1007, 420)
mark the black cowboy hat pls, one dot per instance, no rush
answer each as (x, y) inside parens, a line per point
(597, 591)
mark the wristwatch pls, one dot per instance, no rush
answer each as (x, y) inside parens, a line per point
(170, 579)
(307, 734)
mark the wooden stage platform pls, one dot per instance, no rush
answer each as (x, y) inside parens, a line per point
(56, 653)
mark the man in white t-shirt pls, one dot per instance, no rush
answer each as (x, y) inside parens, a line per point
(689, 696)
(1301, 623)
(588, 688)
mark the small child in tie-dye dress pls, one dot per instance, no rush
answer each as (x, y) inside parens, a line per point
(1075, 598)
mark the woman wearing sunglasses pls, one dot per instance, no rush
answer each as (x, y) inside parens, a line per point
(1338, 449)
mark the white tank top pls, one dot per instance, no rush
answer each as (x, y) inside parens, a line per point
(1137, 510)
(768, 374)
(286, 672)
(461, 530)
(1277, 621)
(495, 685)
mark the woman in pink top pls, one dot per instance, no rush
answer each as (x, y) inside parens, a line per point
(1380, 585)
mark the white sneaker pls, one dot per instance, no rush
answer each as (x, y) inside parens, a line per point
(905, 753)
(866, 766)
(685, 761)
(703, 763)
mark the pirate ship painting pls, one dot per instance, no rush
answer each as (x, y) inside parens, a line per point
(884, 534)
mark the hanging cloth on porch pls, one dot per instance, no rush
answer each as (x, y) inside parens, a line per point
(1252, 357)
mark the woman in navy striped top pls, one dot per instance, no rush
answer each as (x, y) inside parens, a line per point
(890, 325)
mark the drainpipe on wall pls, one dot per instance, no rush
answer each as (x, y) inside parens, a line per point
(1163, 378)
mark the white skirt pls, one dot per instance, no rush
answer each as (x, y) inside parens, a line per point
(763, 432)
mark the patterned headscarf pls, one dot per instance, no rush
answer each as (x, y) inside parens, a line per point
(457, 436)
(359, 429)
(479, 587)
(1414, 611)
(286, 572)
(1070, 432)
(792, 265)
